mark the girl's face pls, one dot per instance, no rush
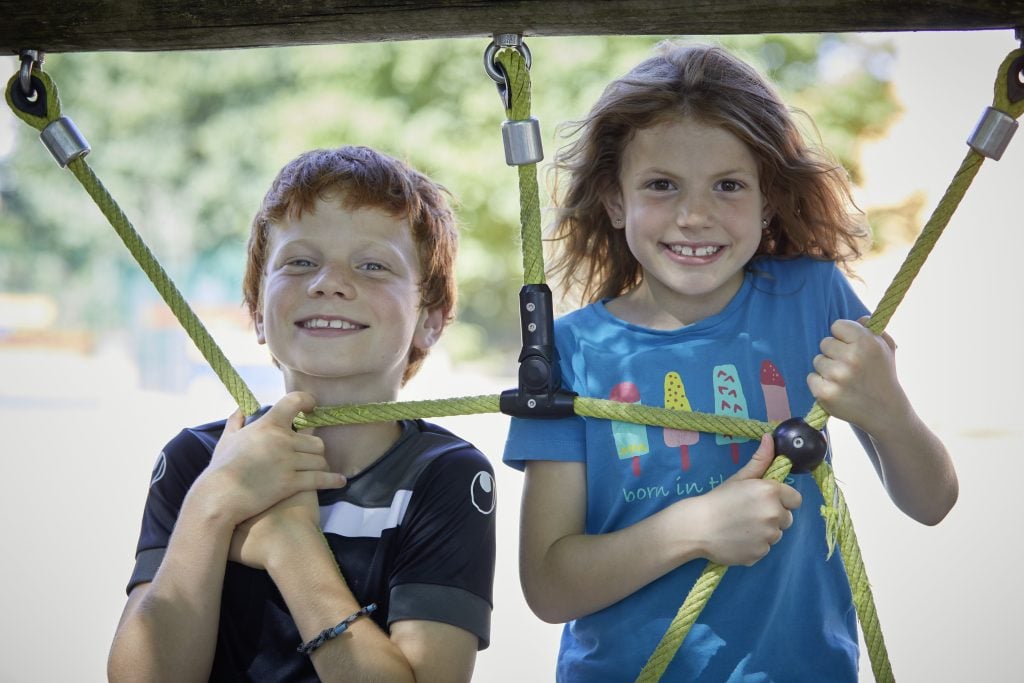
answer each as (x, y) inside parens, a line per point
(690, 202)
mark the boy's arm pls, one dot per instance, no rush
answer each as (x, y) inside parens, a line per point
(567, 573)
(286, 540)
(855, 380)
(174, 618)
(168, 629)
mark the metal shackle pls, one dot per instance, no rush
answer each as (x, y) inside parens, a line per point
(992, 134)
(522, 142)
(65, 142)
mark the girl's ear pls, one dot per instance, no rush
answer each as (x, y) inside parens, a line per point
(258, 324)
(613, 207)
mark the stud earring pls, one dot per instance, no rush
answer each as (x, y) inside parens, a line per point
(764, 223)
(618, 222)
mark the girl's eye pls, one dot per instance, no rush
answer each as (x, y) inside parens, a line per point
(300, 263)
(730, 186)
(660, 185)
(373, 266)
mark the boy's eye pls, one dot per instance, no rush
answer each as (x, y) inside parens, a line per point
(373, 266)
(300, 263)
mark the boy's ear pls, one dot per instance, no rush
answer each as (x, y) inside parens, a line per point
(428, 328)
(612, 201)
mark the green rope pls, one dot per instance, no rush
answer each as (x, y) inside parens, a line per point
(697, 598)
(529, 193)
(140, 252)
(853, 561)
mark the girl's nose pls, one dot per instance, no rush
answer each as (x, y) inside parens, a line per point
(693, 212)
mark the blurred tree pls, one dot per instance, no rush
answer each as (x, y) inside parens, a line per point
(188, 142)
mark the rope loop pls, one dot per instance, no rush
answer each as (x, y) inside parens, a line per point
(496, 70)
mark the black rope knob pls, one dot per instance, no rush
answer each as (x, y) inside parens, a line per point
(804, 445)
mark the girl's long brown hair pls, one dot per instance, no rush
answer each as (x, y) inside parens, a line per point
(807, 193)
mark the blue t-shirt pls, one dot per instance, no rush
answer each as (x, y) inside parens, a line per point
(790, 617)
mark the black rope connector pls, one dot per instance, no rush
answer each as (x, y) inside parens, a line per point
(33, 102)
(804, 445)
(539, 393)
(1014, 86)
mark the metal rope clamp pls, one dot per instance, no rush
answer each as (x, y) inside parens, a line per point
(993, 133)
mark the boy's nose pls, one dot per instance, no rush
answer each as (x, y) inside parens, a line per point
(332, 282)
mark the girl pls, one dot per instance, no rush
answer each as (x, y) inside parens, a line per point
(704, 233)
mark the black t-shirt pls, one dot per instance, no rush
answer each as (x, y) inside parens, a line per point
(413, 532)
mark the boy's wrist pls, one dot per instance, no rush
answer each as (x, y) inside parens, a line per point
(207, 501)
(302, 546)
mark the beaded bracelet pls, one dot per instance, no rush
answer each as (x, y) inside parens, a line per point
(335, 631)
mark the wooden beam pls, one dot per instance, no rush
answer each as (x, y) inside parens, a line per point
(144, 25)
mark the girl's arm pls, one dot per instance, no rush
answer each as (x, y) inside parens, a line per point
(286, 540)
(855, 380)
(567, 573)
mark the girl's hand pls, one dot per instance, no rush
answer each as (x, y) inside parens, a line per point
(746, 515)
(854, 376)
(256, 465)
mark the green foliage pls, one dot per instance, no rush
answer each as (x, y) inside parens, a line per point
(188, 142)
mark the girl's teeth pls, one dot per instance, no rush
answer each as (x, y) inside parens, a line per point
(699, 251)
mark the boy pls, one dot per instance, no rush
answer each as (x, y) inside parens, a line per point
(349, 282)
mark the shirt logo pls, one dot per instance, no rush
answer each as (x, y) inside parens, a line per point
(481, 492)
(159, 469)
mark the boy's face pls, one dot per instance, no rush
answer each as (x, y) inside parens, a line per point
(341, 302)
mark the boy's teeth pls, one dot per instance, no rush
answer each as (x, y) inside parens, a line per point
(684, 250)
(333, 324)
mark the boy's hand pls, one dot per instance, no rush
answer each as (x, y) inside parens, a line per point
(854, 376)
(256, 539)
(256, 465)
(746, 515)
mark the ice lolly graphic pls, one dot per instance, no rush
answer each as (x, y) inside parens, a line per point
(630, 439)
(774, 388)
(675, 399)
(729, 400)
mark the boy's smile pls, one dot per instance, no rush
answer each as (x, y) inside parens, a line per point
(691, 206)
(341, 302)
(330, 324)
